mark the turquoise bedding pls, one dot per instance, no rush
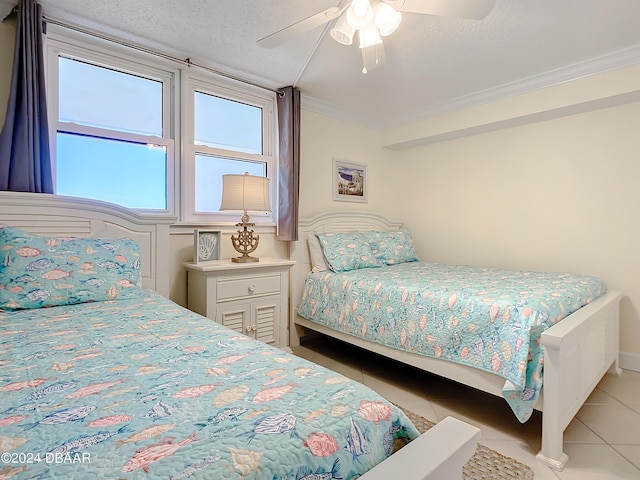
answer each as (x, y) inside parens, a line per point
(142, 388)
(486, 318)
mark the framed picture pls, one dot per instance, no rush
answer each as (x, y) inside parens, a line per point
(206, 245)
(349, 181)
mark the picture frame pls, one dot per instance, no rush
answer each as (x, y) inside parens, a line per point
(206, 245)
(350, 181)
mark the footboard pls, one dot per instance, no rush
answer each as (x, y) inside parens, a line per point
(578, 352)
(438, 454)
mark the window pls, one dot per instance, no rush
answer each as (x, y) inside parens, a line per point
(126, 125)
(111, 128)
(231, 131)
(227, 124)
(209, 171)
(123, 172)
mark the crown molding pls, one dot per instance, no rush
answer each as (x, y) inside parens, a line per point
(617, 60)
(605, 63)
(329, 109)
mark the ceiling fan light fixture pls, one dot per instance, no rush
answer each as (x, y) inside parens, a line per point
(386, 18)
(369, 37)
(360, 14)
(342, 32)
(373, 57)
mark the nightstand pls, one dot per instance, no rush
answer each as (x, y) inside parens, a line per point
(251, 298)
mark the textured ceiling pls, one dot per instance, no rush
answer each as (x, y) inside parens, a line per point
(434, 64)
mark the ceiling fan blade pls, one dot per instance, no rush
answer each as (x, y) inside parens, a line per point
(303, 26)
(475, 9)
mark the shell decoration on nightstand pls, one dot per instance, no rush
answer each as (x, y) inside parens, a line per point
(207, 246)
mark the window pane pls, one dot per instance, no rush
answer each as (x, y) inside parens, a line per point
(209, 171)
(129, 174)
(227, 124)
(100, 97)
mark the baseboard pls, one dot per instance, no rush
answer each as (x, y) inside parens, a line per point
(630, 361)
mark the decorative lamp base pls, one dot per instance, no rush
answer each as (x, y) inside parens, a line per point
(245, 242)
(246, 259)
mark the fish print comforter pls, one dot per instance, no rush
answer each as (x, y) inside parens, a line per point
(142, 388)
(486, 318)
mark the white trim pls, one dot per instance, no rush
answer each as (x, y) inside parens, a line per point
(58, 44)
(233, 91)
(605, 63)
(630, 361)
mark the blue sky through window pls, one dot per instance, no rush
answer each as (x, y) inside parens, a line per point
(126, 173)
(101, 163)
(209, 171)
(132, 174)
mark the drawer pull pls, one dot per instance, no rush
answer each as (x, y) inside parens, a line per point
(252, 288)
(248, 329)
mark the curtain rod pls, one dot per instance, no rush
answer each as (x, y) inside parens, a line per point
(186, 61)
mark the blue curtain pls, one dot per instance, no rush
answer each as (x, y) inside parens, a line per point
(288, 163)
(25, 159)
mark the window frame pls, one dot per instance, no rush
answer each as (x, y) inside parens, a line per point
(234, 91)
(76, 47)
(179, 83)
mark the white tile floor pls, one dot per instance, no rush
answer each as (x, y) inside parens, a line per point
(603, 441)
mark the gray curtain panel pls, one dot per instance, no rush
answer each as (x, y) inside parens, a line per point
(288, 163)
(25, 159)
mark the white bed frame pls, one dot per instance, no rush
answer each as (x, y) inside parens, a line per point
(579, 350)
(449, 445)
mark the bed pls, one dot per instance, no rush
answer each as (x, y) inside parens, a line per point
(104, 377)
(575, 352)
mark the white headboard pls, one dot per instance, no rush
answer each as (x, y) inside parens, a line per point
(327, 222)
(42, 214)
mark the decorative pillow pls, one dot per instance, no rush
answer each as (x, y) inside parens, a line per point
(392, 247)
(318, 263)
(347, 251)
(41, 271)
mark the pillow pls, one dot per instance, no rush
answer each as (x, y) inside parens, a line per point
(392, 248)
(318, 263)
(48, 271)
(347, 251)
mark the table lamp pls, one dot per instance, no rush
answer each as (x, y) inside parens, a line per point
(245, 193)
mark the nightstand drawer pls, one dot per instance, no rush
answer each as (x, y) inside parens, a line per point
(248, 287)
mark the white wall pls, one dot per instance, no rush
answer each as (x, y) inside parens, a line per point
(559, 194)
(323, 138)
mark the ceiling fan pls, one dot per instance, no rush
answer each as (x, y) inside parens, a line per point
(374, 19)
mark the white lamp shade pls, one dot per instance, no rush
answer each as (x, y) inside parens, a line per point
(386, 18)
(360, 14)
(242, 193)
(342, 32)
